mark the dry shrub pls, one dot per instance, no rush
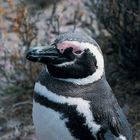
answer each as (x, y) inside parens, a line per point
(122, 20)
(15, 69)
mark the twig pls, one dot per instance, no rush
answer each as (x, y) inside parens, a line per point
(21, 103)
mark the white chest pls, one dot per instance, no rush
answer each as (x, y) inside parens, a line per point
(48, 124)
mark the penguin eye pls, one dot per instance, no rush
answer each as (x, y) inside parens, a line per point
(78, 52)
(61, 50)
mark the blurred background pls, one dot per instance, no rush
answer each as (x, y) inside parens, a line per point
(114, 24)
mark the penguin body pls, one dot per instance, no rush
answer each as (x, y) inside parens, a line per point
(72, 99)
(49, 124)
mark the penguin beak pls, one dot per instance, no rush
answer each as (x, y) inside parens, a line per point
(49, 55)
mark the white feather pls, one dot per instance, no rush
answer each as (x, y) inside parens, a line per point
(83, 106)
(65, 64)
(122, 137)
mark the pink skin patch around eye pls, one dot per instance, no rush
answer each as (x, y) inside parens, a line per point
(63, 46)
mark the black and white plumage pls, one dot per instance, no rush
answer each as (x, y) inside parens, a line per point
(72, 99)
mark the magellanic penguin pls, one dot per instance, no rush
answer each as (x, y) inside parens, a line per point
(73, 100)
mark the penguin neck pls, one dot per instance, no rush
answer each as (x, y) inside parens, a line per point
(62, 87)
(89, 79)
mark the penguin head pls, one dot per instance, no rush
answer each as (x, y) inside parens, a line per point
(71, 56)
